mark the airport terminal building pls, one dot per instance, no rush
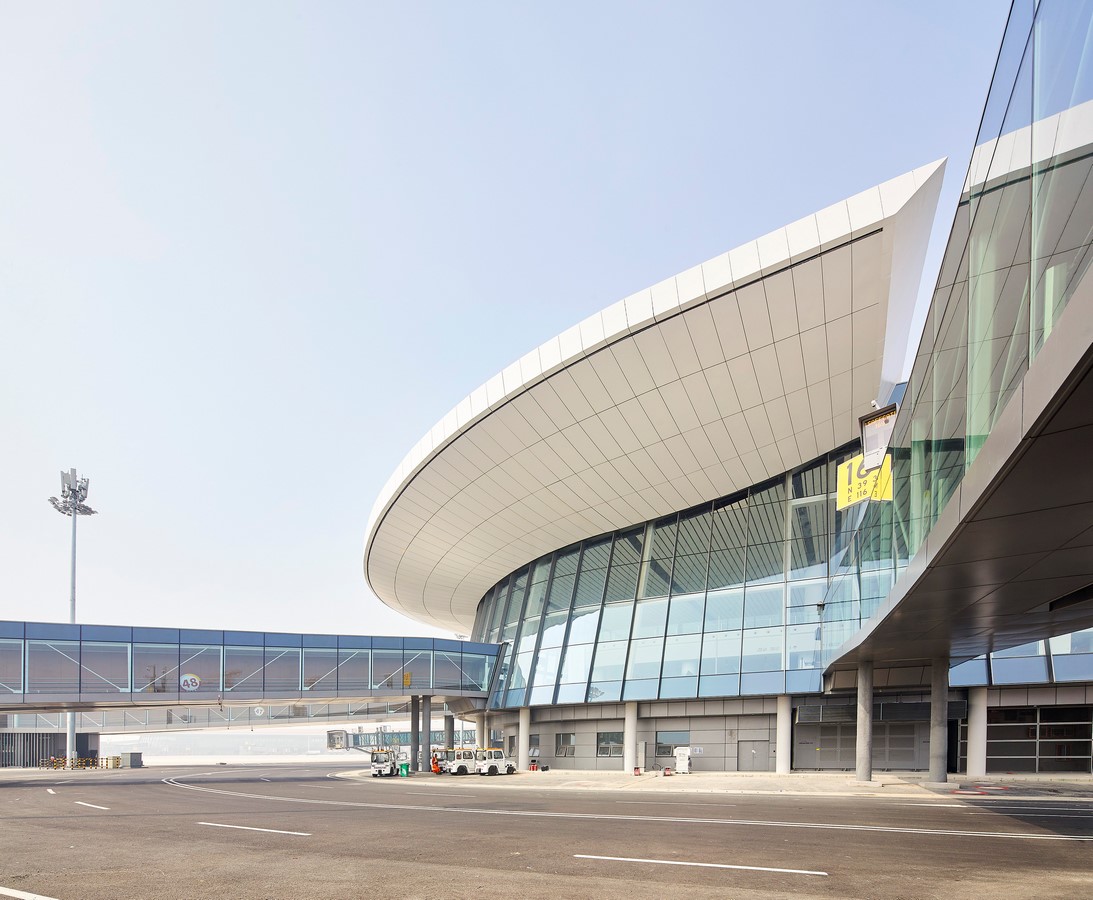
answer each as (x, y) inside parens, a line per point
(664, 516)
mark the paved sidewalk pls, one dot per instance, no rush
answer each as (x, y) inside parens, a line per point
(831, 784)
(839, 784)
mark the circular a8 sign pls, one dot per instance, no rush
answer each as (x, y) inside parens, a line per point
(190, 682)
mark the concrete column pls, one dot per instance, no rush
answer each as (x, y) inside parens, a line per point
(784, 735)
(630, 737)
(426, 732)
(480, 736)
(939, 721)
(523, 740)
(977, 732)
(863, 743)
(415, 731)
(449, 730)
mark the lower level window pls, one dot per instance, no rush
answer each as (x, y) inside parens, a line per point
(564, 744)
(609, 743)
(667, 741)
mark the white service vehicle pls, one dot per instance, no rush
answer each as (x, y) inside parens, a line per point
(461, 761)
(493, 762)
(384, 762)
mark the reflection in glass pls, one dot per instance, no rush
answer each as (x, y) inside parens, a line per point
(104, 668)
(243, 669)
(53, 667)
(11, 667)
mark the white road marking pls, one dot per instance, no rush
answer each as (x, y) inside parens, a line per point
(1043, 815)
(674, 862)
(990, 806)
(69, 781)
(92, 805)
(248, 828)
(672, 803)
(938, 805)
(607, 817)
(22, 895)
(50, 791)
(436, 794)
(263, 779)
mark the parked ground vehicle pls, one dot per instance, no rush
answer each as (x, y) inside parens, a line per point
(461, 761)
(384, 762)
(493, 762)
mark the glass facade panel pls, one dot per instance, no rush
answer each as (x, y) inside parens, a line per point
(477, 671)
(583, 625)
(681, 655)
(724, 610)
(546, 669)
(685, 614)
(575, 665)
(155, 668)
(761, 650)
(321, 669)
(11, 667)
(610, 661)
(53, 667)
(678, 688)
(649, 617)
(615, 624)
(387, 670)
(104, 668)
(243, 669)
(353, 666)
(763, 605)
(282, 669)
(417, 672)
(645, 657)
(721, 653)
(200, 668)
(553, 629)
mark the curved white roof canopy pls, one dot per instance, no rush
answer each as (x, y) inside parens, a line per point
(736, 370)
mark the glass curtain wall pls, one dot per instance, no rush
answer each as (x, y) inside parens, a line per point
(725, 599)
(46, 658)
(1019, 245)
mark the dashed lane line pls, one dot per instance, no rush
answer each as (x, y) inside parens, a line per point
(92, 805)
(250, 828)
(679, 862)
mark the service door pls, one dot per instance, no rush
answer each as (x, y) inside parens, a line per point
(753, 756)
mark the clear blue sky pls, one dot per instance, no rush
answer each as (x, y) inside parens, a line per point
(251, 252)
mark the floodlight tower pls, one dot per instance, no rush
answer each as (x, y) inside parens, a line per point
(73, 495)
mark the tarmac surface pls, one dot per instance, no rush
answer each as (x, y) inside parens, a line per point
(292, 830)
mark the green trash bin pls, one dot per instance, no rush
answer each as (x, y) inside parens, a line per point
(403, 770)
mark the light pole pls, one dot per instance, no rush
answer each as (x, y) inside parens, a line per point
(73, 495)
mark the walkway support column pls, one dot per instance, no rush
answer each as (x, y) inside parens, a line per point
(784, 736)
(977, 732)
(939, 721)
(630, 737)
(863, 741)
(449, 730)
(481, 738)
(415, 731)
(523, 740)
(426, 732)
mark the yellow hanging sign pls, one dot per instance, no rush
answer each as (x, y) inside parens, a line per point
(855, 484)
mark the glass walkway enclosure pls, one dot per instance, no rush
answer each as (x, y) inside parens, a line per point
(47, 666)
